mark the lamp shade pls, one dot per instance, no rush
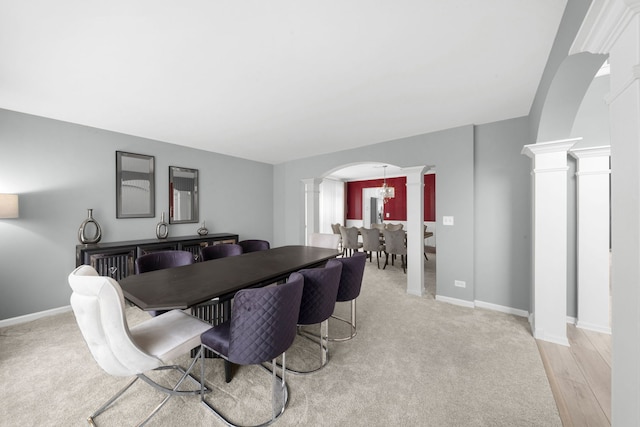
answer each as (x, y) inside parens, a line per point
(9, 206)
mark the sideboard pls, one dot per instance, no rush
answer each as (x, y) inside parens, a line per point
(116, 259)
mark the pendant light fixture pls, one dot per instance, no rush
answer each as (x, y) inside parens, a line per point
(386, 192)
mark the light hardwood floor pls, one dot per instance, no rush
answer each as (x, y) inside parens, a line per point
(580, 377)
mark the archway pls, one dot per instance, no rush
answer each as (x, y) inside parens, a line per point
(554, 201)
(414, 224)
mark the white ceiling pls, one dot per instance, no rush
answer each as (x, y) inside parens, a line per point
(274, 80)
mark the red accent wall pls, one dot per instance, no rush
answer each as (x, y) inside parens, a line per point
(396, 207)
(430, 197)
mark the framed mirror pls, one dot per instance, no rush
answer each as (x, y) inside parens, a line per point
(135, 186)
(183, 195)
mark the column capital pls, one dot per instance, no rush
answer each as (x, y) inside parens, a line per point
(581, 153)
(549, 147)
(603, 24)
(415, 174)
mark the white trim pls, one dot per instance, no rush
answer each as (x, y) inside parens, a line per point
(539, 334)
(601, 151)
(549, 170)
(501, 308)
(571, 320)
(593, 327)
(485, 305)
(33, 316)
(549, 147)
(455, 301)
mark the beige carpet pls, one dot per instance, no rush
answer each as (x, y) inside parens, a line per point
(414, 362)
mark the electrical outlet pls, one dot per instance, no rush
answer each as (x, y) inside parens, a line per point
(459, 284)
(447, 220)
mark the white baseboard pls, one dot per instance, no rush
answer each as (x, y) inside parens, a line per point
(502, 308)
(33, 316)
(540, 334)
(593, 327)
(482, 304)
(455, 301)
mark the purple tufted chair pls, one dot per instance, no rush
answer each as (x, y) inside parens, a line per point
(318, 303)
(161, 260)
(349, 289)
(254, 245)
(221, 251)
(261, 328)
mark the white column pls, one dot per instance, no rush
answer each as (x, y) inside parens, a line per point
(593, 237)
(415, 229)
(613, 27)
(311, 206)
(550, 239)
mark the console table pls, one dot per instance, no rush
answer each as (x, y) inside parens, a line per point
(116, 259)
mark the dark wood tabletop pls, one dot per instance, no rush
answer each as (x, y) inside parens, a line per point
(186, 286)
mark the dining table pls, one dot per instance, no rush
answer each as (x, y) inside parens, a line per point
(208, 287)
(190, 285)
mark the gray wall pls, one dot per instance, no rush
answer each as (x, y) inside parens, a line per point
(60, 169)
(494, 159)
(503, 214)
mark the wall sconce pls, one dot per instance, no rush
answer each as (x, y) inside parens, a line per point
(9, 206)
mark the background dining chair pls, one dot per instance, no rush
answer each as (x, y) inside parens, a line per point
(324, 240)
(394, 227)
(394, 245)
(317, 305)
(98, 306)
(371, 243)
(220, 251)
(262, 327)
(426, 235)
(349, 288)
(380, 226)
(253, 245)
(349, 240)
(160, 260)
(336, 230)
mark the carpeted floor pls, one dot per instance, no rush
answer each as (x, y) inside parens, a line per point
(414, 362)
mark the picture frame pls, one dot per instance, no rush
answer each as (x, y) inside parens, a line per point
(135, 185)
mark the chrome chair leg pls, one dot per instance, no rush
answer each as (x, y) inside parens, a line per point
(322, 341)
(351, 323)
(186, 373)
(279, 394)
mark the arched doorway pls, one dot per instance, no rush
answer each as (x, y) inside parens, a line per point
(414, 188)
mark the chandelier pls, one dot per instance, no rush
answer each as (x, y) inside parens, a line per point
(386, 192)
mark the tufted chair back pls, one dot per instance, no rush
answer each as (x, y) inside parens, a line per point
(254, 245)
(162, 259)
(324, 240)
(221, 251)
(263, 321)
(98, 305)
(320, 291)
(351, 276)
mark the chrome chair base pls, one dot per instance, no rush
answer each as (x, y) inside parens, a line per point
(322, 341)
(279, 397)
(351, 323)
(169, 391)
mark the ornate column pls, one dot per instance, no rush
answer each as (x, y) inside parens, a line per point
(415, 229)
(593, 237)
(549, 173)
(311, 206)
(613, 27)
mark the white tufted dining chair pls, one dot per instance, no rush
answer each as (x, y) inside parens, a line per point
(98, 305)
